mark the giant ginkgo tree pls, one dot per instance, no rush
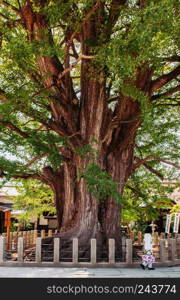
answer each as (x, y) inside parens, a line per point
(89, 94)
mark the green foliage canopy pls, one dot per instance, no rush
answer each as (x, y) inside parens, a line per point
(34, 199)
(144, 35)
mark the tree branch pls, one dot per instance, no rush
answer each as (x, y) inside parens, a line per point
(33, 160)
(85, 19)
(67, 70)
(152, 157)
(167, 93)
(27, 176)
(75, 54)
(167, 162)
(3, 97)
(5, 17)
(14, 128)
(168, 104)
(19, 4)
(152, 170)
(135, 191)
(115, 8)
(21, 176)
(5, 3)
(110, 100)
(164, 79)
(174, 58)
(142, 162)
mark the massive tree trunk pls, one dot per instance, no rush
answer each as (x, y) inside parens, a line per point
(80, 214)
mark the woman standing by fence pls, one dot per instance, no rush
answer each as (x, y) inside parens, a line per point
(148, 258)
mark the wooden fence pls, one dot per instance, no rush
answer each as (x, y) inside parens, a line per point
(31, 235)
(168, 252)
(29, 238)
(137, 237)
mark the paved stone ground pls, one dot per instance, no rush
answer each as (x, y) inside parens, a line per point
(36, 272)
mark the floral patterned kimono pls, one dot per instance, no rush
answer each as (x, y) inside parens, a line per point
(148, 258)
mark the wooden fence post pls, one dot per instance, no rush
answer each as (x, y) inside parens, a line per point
(35, 235)
(93, 251)
(32, 237)
(28, 238)
(15, 240)
(129, 250)
(169, 235)
(111, 251)
(49, 233)
(162, 235)
(75, 250)
(123, 248)
(178, 247)
(25, 238)
(43, 234)
(38, 249)
(155, 238)
(56, 249)
(139, 237)
(162, 250)
(171, 249)
(176, 235)
(20, 249)
(131, 235)
(11, 241)
(2, 248)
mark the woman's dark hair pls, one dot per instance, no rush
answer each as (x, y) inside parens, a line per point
(148, 229)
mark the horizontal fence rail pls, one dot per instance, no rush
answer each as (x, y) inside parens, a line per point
(49, 250)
